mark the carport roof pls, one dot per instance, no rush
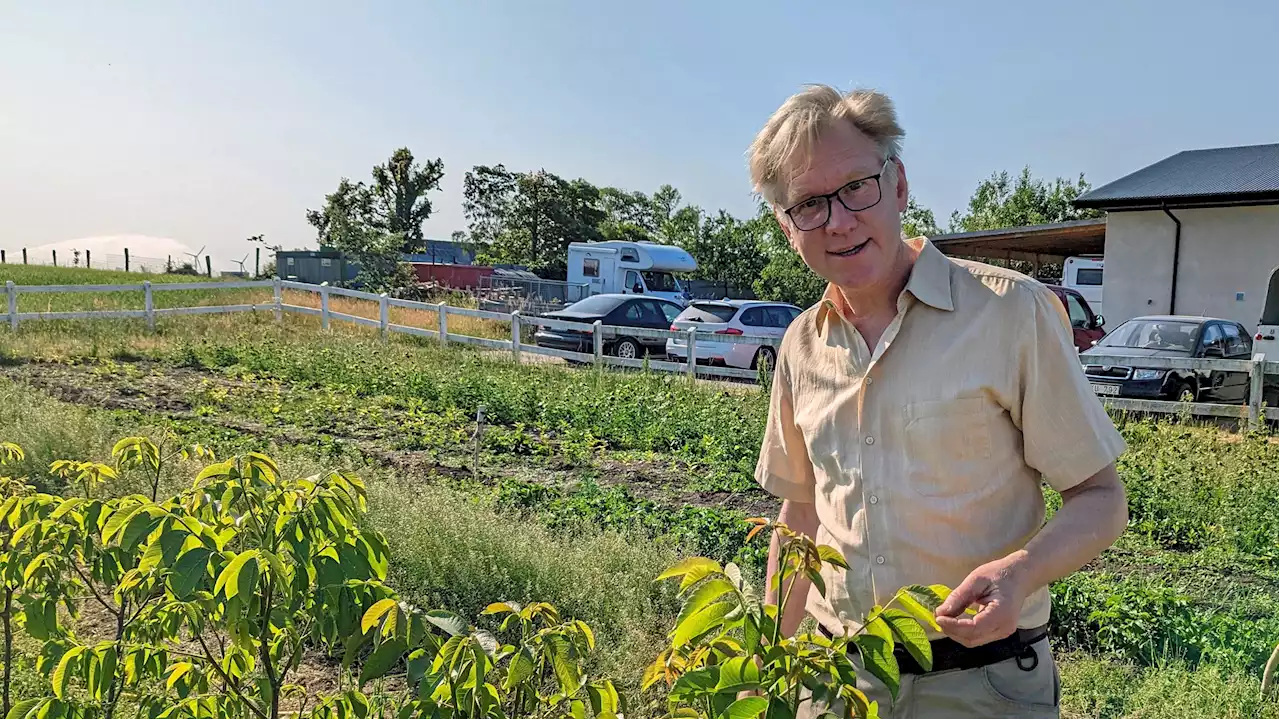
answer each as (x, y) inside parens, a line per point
(1055, 241)
(1222, 176)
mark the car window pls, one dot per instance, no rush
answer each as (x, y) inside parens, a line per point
(651, 313)
(1236, 343)
(793, 313)
(1212, 336)
(671, 311)
(708, 312)
(1077, 312)
(633, 311)
(632, 279)
(754, 317)
(779, 317)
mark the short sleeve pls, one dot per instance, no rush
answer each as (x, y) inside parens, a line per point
(1067, 435)
(784, 469)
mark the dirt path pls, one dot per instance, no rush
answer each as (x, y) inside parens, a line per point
(169, 392)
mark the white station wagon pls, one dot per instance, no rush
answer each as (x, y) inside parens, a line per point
(714, 318)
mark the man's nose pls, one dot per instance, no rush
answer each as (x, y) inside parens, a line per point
(842, 220)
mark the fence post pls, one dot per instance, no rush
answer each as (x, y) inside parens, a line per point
(324, 306)
(2, 257)
(442, 323)
(24, 255)
(88, 260)
(126, 259)
(1255, 390)
(515, 336)
(149, 304)
(692, 369)
(384, 313)
(277, 299)
(55, 257)
(597, 342)
(208, 266)
(12, 292)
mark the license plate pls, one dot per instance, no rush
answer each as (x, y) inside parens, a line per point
(1108, 389)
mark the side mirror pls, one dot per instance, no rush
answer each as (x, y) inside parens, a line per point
(1099, 321)
(637, 289)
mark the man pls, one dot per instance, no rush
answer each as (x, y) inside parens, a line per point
(915, 410)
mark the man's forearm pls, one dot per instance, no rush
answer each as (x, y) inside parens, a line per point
(1093, 515)
(802, 518)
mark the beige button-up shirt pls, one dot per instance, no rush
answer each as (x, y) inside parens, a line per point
(924, 455)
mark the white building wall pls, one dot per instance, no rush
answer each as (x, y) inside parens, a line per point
(1225, 251)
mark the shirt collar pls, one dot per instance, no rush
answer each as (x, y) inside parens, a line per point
(930, 282)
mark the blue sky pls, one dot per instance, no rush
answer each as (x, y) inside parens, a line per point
(210, 122)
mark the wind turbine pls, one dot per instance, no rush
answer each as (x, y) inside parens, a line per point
(241, 263)
(195, 259)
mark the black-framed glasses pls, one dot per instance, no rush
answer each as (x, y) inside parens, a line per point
(860, 194)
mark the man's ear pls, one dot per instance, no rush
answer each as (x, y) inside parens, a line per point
(900, 186)
(781, 218)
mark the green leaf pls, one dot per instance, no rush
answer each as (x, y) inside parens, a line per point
(374, 614)
(700, 623)
(176, 672)
(604, 698)
(107, 671)
(451, 623)
(912, 636)
(879, 628)
(521, 668)
(738, 674)
(931, 596)
(924, 615)
(567, 671)
(746, 708)
(691, 569)
(229, 579)
(62, 674)
(831, 556)
(191, 569)
(23, 708)
(877, 657)
(706, 593)
(382, 659)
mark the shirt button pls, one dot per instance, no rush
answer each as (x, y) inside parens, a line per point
(874, 499)
(871, 440)
(879, 560)
(867, 380)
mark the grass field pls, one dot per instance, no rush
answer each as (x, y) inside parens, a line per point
(590, 483)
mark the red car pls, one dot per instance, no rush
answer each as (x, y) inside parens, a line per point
(1086, 327)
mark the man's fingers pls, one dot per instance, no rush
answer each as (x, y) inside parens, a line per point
(969, 591)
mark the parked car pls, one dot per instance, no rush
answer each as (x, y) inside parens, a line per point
(731, 317)
(1086, 327)
(1171, 336)
(617, 310)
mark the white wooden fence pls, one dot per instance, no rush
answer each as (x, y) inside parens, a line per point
(1252, 411)
(600, 334)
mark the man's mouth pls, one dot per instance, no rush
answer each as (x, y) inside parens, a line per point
(849, 252)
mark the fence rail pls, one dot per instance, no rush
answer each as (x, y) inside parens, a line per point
(1252, 411)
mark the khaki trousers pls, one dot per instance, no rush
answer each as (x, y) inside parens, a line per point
(995, 691)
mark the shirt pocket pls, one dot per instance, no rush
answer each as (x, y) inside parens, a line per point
(948, 445)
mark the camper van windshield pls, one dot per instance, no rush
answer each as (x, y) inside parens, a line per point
(661, 282)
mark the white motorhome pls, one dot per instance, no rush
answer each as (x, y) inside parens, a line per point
(641, 268)
(1084, 275)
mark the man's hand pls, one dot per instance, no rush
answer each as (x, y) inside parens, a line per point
(996, 589)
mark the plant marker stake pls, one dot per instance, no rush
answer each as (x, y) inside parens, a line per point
(384, 311)
(442, 318)
(692, 369)
(597, 342)
(279, 304)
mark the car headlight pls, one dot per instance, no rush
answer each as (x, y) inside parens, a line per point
(1148, 373)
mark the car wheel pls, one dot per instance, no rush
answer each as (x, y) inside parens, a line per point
(627, 349)
(1183, 388)
(766, 358)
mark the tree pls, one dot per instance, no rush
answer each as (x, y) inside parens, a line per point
(346, 224)
(918, 220)
(529, 218)
(1000, 202)
(398, 199)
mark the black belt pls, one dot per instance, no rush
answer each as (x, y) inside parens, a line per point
(950, 654)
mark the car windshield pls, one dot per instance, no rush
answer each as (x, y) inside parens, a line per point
(1153, 334)
(708, 312)
(597, 305)
(660, 282)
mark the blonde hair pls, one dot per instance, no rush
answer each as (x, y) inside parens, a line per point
(795, 127)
